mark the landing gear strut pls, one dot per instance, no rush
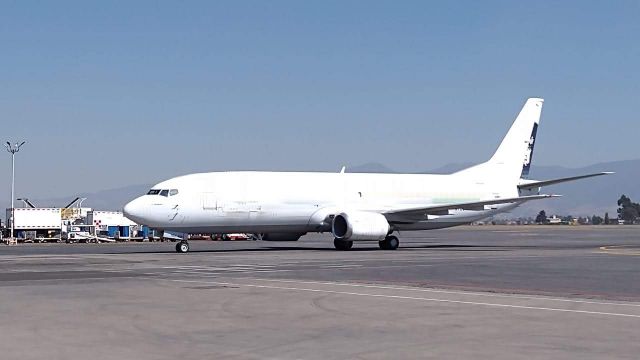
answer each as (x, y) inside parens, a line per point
(182, 246)
(389, 243)
(342, 244)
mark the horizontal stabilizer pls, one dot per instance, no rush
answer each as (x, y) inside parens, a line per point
(532, 184)
(475, 205)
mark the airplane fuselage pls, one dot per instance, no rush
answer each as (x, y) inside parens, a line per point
(301, 202)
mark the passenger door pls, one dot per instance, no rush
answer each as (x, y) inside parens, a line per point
(209, 202)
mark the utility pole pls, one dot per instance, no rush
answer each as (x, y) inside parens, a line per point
(13, 149)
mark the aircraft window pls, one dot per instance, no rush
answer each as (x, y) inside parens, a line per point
(173, 192)
(164, 193)
(153, 192)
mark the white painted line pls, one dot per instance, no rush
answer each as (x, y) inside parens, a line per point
(409, 298)
(140, 276)
(251, 265)
(225, 271)
(340, 266)
(508, 296)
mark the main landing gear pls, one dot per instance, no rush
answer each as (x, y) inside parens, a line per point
(342, 244)
(182, 246)
(389, 243)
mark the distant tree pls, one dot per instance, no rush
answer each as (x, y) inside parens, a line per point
(628, 210)
(596, 220)
(624, 201)
(606, 218)
(583, 220)
(542, 217)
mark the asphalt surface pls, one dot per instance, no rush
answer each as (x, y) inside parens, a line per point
(471, 292)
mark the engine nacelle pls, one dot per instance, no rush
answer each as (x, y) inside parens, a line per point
(360, 225)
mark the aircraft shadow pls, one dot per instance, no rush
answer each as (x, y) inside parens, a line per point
(441, 247)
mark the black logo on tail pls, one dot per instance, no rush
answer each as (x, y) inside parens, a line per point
(528, 155)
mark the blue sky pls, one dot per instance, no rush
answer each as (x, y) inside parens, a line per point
(109, 94)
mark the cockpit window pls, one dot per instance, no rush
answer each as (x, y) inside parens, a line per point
(163, 192)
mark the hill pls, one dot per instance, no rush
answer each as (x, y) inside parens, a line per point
(580, 198)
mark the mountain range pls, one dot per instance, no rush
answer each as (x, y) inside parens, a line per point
(580, 198)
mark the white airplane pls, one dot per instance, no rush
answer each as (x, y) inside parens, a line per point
(354, 207)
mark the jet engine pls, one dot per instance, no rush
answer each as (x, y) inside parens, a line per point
(360, 225)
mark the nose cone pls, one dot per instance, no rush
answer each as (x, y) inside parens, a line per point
(134, 210)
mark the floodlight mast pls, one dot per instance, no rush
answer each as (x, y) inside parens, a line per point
(13, 149)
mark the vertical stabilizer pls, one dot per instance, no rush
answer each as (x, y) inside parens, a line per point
(516, 149)
(512, 160)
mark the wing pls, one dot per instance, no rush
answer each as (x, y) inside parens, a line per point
(532, 184)
(443, 209)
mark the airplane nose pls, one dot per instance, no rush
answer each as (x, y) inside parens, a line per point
(133, 211)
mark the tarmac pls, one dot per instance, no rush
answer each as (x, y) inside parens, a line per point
(495, 292)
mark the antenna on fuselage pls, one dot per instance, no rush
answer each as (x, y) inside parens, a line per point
(343, 169)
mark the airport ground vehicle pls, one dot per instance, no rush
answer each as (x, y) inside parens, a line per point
(79, 233)
(36, 224)
(111, 224)
(234, 236)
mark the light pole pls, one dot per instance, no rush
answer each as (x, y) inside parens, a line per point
(13, 149)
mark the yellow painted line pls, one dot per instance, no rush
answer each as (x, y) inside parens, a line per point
(631, 250)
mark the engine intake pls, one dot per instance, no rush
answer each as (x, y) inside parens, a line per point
(360, 225)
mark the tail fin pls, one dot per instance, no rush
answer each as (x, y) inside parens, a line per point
(512, 160)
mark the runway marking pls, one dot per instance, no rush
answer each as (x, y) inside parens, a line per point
(220, 268)
(201, 271)
(222, 272)
(340, 266)
(630, 250)
(36, 257)
(511, 296)
(139, 276)
(407, 298)
(207, 270)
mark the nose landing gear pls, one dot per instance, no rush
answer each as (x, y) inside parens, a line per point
(182, 246)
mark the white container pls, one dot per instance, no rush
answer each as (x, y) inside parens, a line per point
(104, 219)
(36, 219)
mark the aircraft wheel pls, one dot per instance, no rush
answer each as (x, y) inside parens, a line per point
(342, 244)
(389, 243)
(182, 247)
